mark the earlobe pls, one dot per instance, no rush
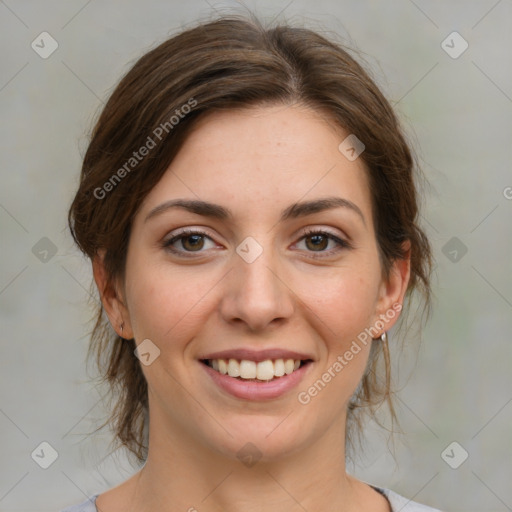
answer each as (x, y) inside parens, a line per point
(111, 298)
(394, 288)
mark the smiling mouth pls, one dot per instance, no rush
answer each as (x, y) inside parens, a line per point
(252, 371)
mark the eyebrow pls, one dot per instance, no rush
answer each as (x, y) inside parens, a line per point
(294, 211)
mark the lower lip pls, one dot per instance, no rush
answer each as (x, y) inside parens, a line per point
(252, 390)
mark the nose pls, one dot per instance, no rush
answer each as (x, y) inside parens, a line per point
(256, 294)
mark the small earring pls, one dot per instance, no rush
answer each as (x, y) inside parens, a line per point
(384, 337)
(122, 327)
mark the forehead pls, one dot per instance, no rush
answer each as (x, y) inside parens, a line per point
(260, 159)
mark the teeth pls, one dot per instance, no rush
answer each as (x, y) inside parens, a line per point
(246, 369)
(279, 368)
(264, 370)
(223, 367)
(233, 368)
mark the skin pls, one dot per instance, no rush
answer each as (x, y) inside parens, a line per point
(256, 162)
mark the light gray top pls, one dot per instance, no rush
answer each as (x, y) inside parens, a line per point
(398, 503)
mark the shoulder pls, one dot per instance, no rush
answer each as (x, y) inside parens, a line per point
(399, 503)
(89, 505)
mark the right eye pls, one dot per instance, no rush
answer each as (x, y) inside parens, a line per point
(188, 240)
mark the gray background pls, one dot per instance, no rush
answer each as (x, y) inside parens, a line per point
(458, 112)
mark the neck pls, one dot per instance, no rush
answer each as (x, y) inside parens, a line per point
(189, 476)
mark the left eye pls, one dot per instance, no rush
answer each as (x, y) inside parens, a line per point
(318, 241)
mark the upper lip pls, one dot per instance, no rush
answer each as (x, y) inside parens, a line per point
(257, 355)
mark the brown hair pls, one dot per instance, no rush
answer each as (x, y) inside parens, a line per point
(233, 63)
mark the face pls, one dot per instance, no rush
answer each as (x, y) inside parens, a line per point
(269, 254)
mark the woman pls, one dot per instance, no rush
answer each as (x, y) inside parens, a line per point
(249, 207)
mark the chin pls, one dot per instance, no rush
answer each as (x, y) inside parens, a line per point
(264, 438)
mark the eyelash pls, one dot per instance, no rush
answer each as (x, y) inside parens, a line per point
(342, 244)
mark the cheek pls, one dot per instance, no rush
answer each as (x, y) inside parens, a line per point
(342, 308)
(165, 302)
(344, 302)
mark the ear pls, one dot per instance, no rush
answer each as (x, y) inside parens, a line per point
(392, 290)
(112, 298)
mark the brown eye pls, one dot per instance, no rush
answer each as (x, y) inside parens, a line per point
(192, 242)
(189, 241)
(317, 242)
(322, 243)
